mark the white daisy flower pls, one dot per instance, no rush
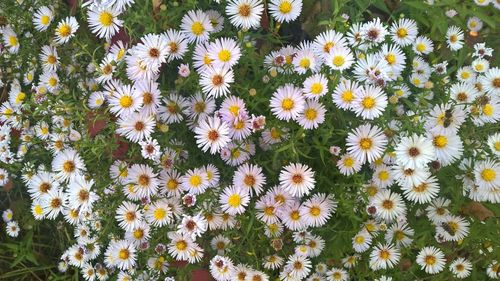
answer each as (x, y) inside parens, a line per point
(12, 229)
(431, 259)
(348, 165)
(10, 39)
(125, 101)
(251, 177)
(128, 216)
(326, 41)
(120, 254)
(245, 14)
(487, 174)
(297, 179)
(195, 181)
(373, 31)
(49, 58)
(152, 52)
(423, 192)
(224, 52)
(491, 81)
(68, 164)
(317, 210)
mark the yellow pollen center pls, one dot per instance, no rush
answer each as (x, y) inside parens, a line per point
(234, 200)
(285, 7)
(106, 18)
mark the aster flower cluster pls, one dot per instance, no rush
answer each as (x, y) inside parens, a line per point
(355, 153)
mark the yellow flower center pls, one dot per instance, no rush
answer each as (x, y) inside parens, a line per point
(65, 30)
(38, 209)
(311, 114)
(360, 239)
(295, 215)
(224, 55)
(181, 245)
(69, 166)
(126, 101)
(44, 20)
(316, 88)
(488, 175)
(197, 28)
(287, 104)
(368, 102)
(20, 97)
(402, 32)
(497, 146)
(51, 59)
(338, 61)
(106, 18)
(234, 200)
(430, 260)
(52, 82)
